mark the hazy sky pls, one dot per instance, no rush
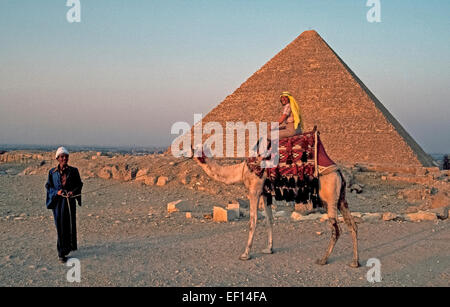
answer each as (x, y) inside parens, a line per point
(132, 68)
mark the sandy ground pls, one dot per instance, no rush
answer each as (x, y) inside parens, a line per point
(126, 238)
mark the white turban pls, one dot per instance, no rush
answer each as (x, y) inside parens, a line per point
(61, 150)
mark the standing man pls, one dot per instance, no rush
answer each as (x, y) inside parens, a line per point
(63, 188)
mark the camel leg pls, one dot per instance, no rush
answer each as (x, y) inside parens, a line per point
(329, 193)
(254, 199)
(334, 237)
(350, 222)
(269, 221)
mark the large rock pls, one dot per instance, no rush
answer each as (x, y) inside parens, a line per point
(223, 215)
(123, 172)
(13, 172)
(115, 173)
(304, 208)
(414, 195)
(324, 218)
(440, 200)
(356, 188)
(295, 216)
(105, 173)
(441, 213)
(421, 216)
(435, 171)
(235, 207)
(357, 214)
(162, 181)
(389, 216)
(28, 171)
(129, 173)
(412, 209)
(179, 206)
(421, 171)
(141, 174)
(149, 180)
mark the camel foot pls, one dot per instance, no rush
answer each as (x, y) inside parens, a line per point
(245, 257)
(321, 261)
(354, 264)
(268, 250)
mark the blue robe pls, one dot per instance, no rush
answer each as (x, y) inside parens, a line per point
(64, 213)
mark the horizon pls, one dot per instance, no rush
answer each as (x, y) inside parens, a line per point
(81, 145)
(129, 70)
(55, 146)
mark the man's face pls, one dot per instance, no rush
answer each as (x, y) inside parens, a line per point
(284, 100)
(63, 159)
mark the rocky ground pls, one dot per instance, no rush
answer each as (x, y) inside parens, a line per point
(127, 238)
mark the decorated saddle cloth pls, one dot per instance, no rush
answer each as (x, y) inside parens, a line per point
(302, 158)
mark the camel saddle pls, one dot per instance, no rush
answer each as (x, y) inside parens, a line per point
(302, 158)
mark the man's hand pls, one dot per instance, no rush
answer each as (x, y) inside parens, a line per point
(70, 194)
(60, 192)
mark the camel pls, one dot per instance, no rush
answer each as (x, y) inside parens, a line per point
(331, 194)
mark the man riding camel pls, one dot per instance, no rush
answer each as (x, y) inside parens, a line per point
(290, 122)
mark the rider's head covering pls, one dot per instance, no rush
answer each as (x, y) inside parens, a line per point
(294, 108)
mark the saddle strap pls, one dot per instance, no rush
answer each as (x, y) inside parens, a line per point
(327, 170)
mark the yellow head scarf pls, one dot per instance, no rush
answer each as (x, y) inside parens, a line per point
(295, 109)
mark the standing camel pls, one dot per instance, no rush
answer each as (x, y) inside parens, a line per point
(331, 193)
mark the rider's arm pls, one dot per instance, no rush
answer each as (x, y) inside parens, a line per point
(282, 119)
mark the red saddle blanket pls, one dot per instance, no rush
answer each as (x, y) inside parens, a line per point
(296, 157)
(294, 178)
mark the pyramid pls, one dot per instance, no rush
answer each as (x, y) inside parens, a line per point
(355, 127)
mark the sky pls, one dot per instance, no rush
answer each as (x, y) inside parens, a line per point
(130, 68)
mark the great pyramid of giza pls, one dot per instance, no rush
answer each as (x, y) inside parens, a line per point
(355, 127)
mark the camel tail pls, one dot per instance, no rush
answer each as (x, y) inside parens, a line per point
(343, 205)
(342, 192)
